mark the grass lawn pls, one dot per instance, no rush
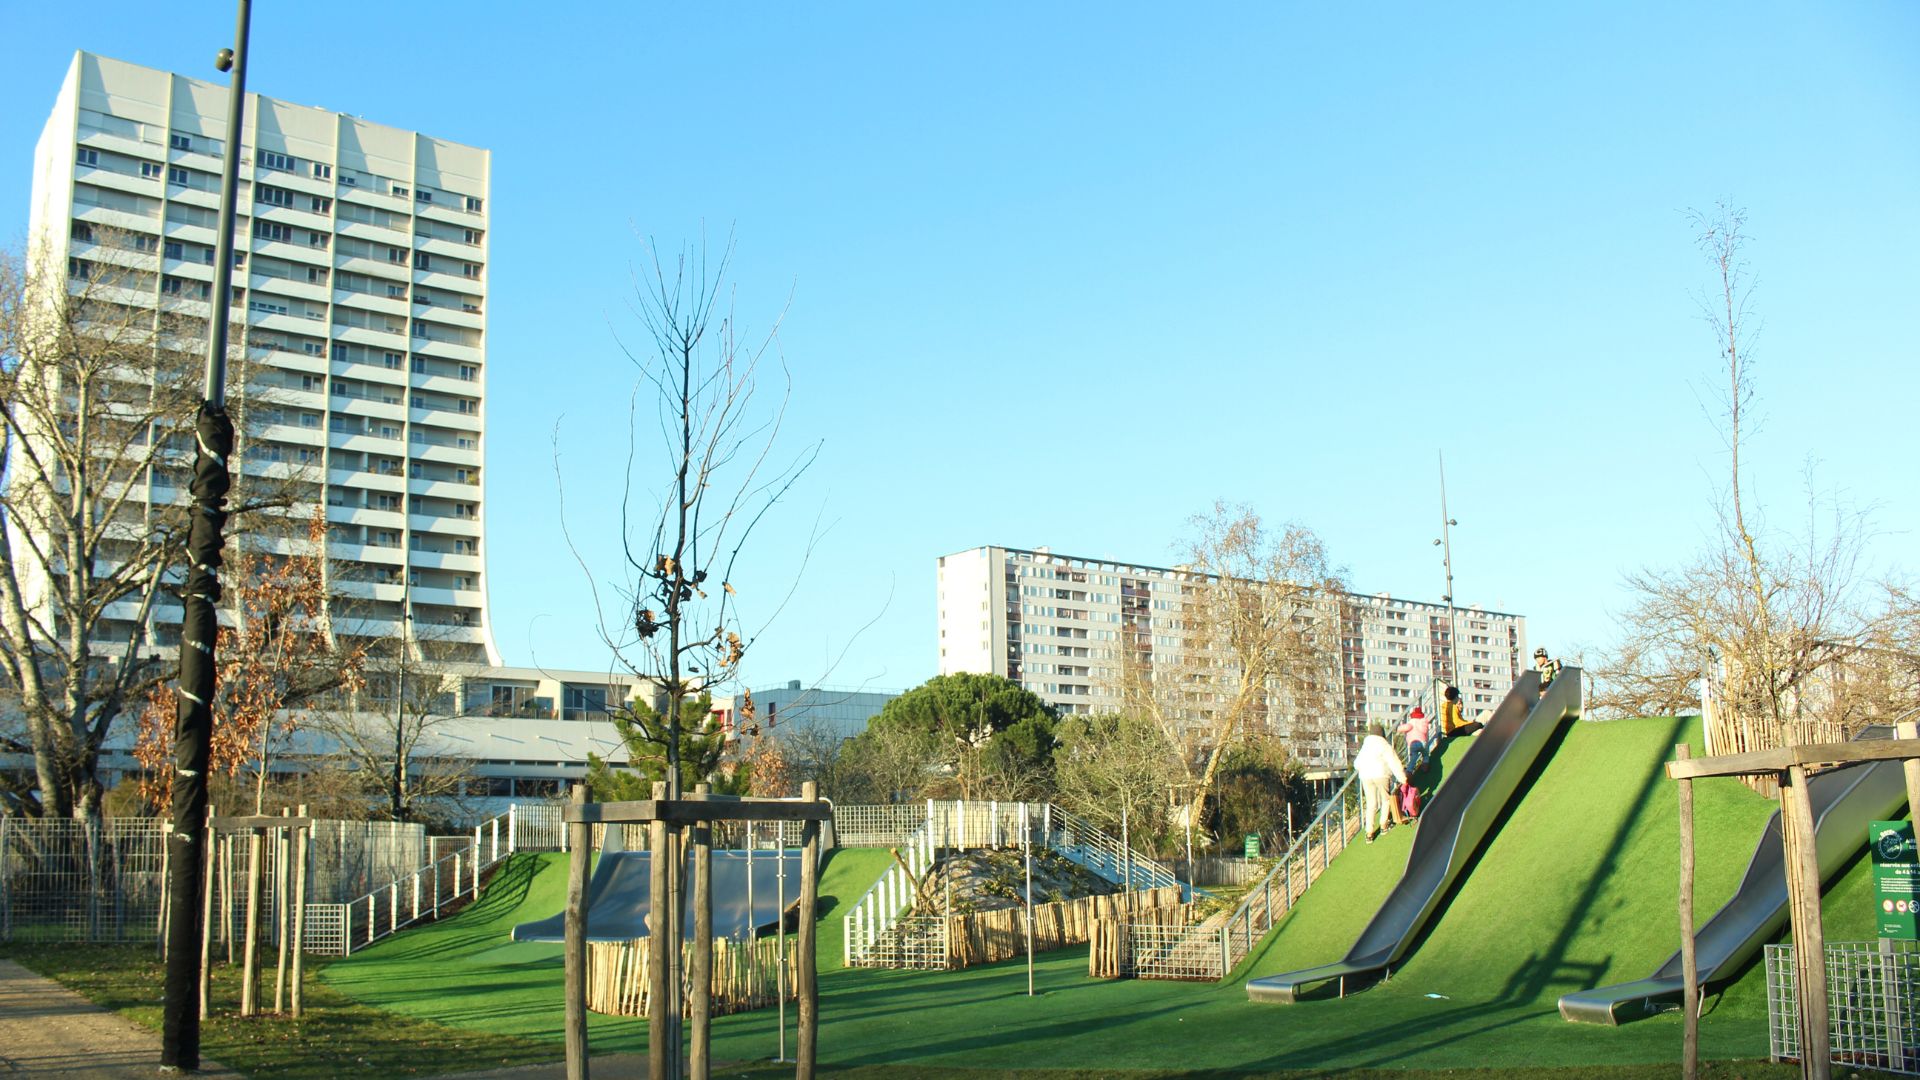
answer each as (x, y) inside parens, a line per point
(1576, 890)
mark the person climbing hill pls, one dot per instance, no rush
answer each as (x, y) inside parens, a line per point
(1376, 763)
(1419, 732)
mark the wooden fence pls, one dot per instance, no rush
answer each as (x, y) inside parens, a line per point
(744, 975)
(1108, 953)
(989, 936)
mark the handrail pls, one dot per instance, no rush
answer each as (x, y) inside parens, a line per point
(421, 904)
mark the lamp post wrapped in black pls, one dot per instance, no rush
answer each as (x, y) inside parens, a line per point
(193, 730)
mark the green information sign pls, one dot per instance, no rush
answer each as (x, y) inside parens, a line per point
(1253, 845)
(1896, 878)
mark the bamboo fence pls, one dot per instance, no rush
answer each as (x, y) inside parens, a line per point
(744, 975)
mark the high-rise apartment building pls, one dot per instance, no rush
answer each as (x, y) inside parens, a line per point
(359, 292)
(1053, 623)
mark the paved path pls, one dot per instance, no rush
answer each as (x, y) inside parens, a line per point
(48, 1030)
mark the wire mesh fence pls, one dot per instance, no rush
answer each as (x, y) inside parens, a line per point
(912, 941)
(80, 880)
(877, 826)
(1873, 1003)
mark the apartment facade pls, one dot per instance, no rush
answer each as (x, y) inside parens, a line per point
(1053, 623)
(360, 295)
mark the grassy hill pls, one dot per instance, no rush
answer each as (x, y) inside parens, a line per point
(1576, 890)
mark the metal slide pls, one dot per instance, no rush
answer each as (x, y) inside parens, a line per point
(1844, 801)
(620, 895)
(1453, 825)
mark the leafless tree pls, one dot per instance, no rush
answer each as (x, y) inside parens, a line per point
(681, 618)
(1775, 621)
(1256, 647)
(1110, 763)
(392, 734)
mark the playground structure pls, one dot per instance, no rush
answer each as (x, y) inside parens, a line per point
(1456, 822)
(1844, 801)
(676, 826)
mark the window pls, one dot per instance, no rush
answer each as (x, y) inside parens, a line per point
(176, 175)
(473, 236)
(419, 365)
(469, 406)
(313, 348)
(316, 239)
(150, 170)
(180, 142)
(419, 402)
(309, 419)
(471, 270)
(273, 196)
(348, 180)
(172, 286)
(465, 547)
(396, 255)
(421, 261)
(81, 231)
(468, 372)
(317, 275)
(86, 157)
(321, 204)
(392, 361)
(400, 191)
(172, 250)
(399, 291)
(322, 171)
(268, 159)
(423, 195)
(419, 328)
(473, 204)
(272, 230)
(340, 351)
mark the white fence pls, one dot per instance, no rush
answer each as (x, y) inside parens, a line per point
(1873, 1002)
(420, 893)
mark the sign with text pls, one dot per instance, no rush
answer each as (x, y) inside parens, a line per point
(1253, 845)
(1896, 878)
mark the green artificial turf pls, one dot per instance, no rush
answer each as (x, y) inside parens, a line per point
(1576, 890)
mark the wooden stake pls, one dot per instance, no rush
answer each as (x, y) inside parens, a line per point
(580, 840)
(1809, 938)
(206, 913)
(700, 970)
(250, 959)
(282, 915)
(1910, 729)
(1689, 963)
(659, 1031)
(807, 974)
(303, 849)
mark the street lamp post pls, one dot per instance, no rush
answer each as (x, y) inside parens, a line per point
(1445, 543)
(199, 624)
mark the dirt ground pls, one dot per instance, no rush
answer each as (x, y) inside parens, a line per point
(48, 1030)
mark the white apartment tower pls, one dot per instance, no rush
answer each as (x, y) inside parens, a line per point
(1052, 623)
(360, 292)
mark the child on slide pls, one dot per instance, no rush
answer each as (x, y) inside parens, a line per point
(1419, 732)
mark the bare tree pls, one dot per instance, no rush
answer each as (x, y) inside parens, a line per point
(1775, 621)
(681, 623)
(392, 733)
(95, 394)
(1108, 764)
(1255, 647)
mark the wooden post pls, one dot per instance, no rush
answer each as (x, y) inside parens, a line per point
(1809, 938)
(660, 1054)
(1689, 964)
(700, 970)
(580, 835)
(250, 957)
(1910, 729)
(282, 914)
(809, 898)
(206, 913)
(303, 848)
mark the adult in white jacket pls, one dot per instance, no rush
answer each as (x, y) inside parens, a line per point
(1377, 763)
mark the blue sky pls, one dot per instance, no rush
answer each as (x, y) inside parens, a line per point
(1066, 274)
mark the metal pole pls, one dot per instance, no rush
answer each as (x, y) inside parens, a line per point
(193, 726)
(1446, 542)
(1026, 841)
(780, 935)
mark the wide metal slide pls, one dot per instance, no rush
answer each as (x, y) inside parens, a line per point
(1844, 801)
(1452, 826)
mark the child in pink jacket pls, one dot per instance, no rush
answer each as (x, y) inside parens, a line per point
(1419, 731)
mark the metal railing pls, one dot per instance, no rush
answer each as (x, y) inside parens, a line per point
(339, 929)
(1101, 852)
(877, 929)
(1211, 949)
